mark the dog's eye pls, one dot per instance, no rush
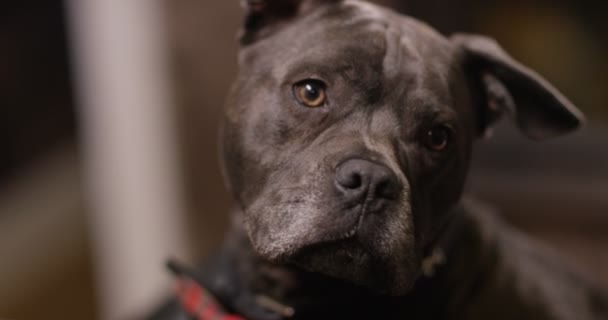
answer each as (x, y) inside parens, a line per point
(310, 93)
(437, 138)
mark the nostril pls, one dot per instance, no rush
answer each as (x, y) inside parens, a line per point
(349, 180)
(387, 188)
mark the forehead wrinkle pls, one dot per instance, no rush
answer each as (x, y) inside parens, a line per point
(403, 41)
(392, 54)
(402, 66)
(369, 10)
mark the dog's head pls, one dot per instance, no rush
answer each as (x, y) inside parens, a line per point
(348, 132)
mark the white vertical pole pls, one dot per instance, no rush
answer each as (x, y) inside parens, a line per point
(129, 148)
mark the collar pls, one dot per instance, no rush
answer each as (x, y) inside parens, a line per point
(201, 304)
(196, 301)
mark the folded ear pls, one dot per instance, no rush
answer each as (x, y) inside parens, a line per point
(263, 17)
(507, 86)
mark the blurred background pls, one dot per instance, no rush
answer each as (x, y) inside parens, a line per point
(108, 129)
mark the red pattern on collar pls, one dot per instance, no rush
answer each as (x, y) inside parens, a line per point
(199, 303)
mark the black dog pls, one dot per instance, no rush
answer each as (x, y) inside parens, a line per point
(346, 143)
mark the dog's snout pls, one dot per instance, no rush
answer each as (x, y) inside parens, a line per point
(358, 178)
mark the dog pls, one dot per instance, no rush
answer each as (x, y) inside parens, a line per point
(346, 142)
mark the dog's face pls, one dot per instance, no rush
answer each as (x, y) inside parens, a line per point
(348, 133)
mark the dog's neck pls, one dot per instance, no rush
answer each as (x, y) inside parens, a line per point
(287, 289)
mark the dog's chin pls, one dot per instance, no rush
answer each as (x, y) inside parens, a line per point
(348, 260)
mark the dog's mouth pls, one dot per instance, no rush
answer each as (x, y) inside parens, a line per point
(347, 255)
(344, 236)
(347, 258)
(356, 213)
(349, 236)
(338, 237)
(350, 231)
(353, 225)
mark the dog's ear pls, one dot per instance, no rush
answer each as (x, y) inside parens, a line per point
(263, 17)
(507, 86)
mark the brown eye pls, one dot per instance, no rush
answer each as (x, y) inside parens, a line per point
(310, 93)
(437, 138)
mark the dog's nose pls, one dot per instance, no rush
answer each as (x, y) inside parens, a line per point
(358, 178)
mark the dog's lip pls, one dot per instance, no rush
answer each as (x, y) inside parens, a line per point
(350, 234)
(311, 247)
